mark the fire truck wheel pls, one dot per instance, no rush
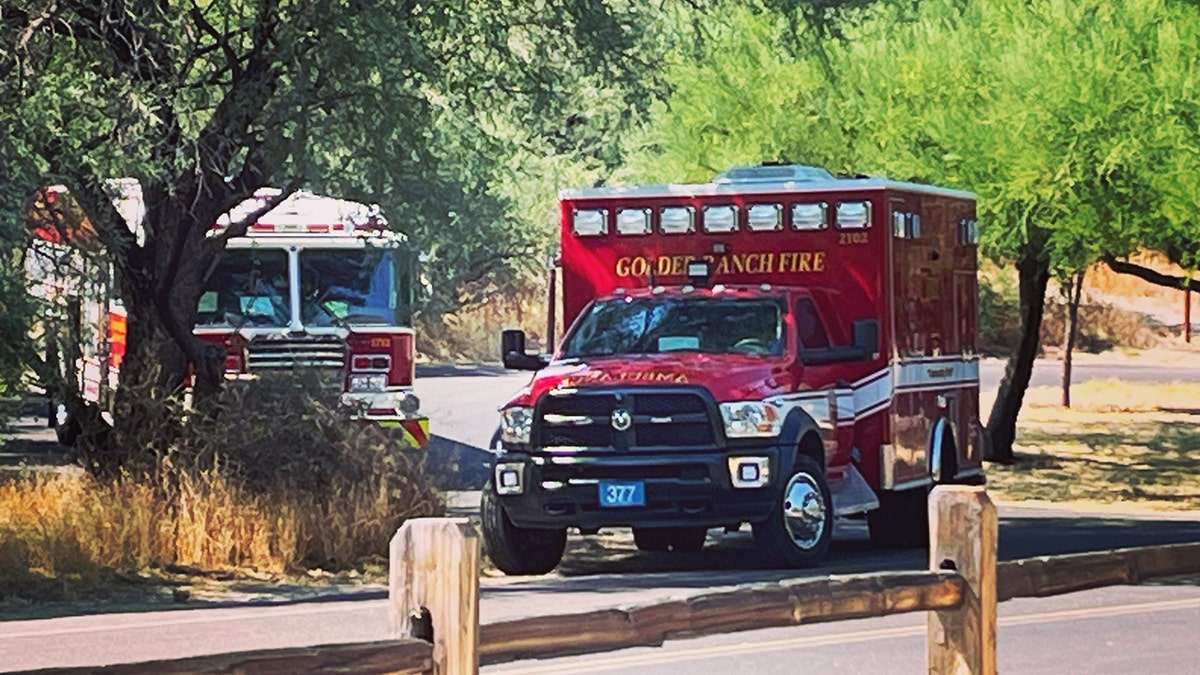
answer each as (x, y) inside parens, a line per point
(66, 428)
(902, 519)
(518, 550)
(676, 539)
(800, 528)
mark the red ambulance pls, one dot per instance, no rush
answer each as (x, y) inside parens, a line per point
(779, 347)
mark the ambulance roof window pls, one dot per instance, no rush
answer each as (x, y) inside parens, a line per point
(633, 221)
(906, 225)
(764, 217)
(677, 220)
(853, 215)
(810, 216)
(720, 218)
(590, 222)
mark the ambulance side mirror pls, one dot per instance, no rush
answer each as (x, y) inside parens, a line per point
(866, 337)
(512, 352)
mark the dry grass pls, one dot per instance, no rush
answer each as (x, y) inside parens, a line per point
(1120, 442)
(278, 482)
(473, 332)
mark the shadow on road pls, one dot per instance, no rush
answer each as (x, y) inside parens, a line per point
(457, 466)
(609, 563)
(468, 370)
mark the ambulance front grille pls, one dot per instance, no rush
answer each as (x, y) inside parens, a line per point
(659, 420)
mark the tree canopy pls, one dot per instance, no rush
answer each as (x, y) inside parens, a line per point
(417, 107)
(1072, 120)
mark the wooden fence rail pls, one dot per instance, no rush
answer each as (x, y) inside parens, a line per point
(434, 603)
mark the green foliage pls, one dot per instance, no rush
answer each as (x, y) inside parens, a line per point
(1073, 120)
(16, 308)
(999, 315)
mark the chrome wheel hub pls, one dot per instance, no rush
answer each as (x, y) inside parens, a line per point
(804, 511)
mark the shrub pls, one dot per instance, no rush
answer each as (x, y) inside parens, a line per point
(278, 478)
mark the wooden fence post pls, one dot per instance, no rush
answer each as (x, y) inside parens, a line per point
(433, 590)
(962, 537)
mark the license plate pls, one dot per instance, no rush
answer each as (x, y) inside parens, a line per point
(616, 494)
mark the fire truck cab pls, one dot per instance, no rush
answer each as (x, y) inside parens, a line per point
(316, 282)
(320, 282)
(779, 347)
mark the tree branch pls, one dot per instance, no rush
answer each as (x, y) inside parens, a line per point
(1147, 274)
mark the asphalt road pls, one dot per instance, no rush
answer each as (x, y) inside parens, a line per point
(590, 578)
(461, 402)
(1121, 627)
(1116, 630)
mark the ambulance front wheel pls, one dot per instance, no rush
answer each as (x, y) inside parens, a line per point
(800, 529)
(517, 550)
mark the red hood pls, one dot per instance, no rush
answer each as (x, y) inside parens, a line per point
(728, 377)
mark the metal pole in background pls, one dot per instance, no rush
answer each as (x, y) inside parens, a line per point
(1187, 314)
(551, 319)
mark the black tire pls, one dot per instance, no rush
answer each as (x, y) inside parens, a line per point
(68, 432)
(802, 539)
(902, 519)
(674, 539)
(517, 550)
(948, 466)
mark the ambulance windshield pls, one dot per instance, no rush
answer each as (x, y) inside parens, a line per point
(672, 324)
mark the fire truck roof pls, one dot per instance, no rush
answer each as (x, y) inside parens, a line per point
(736, 186)
(305, 212)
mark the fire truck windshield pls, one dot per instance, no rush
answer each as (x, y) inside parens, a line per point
(671, 324)
(247, 288)
(338, 287)
(342, 286)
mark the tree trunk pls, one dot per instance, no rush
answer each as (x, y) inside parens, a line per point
(1033, 275)
(161, 285)
(1074, 294)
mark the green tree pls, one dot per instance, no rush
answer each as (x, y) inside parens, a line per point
(1059, 114)
(204, 102)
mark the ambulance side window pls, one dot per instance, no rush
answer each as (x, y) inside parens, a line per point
(809, 329)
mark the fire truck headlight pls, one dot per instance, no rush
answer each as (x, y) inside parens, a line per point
(409, 403)
(751, 419)
(367, 383)
(515, 424)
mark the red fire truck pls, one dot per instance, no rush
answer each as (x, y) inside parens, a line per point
(779, 347)
(316, 282)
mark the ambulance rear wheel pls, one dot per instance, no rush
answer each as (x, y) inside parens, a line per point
(517, 550)
(902, 519)
(675, 539)
(800, 529)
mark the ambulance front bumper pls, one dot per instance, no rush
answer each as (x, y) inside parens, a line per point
(667, 489)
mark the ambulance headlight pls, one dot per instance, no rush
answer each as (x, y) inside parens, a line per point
(751, 419)
(515, 424)
(367, 383)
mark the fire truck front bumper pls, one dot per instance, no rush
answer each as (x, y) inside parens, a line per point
(392, 410)
(642, 490)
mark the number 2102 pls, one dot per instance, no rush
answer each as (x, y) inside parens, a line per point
(852, 237)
